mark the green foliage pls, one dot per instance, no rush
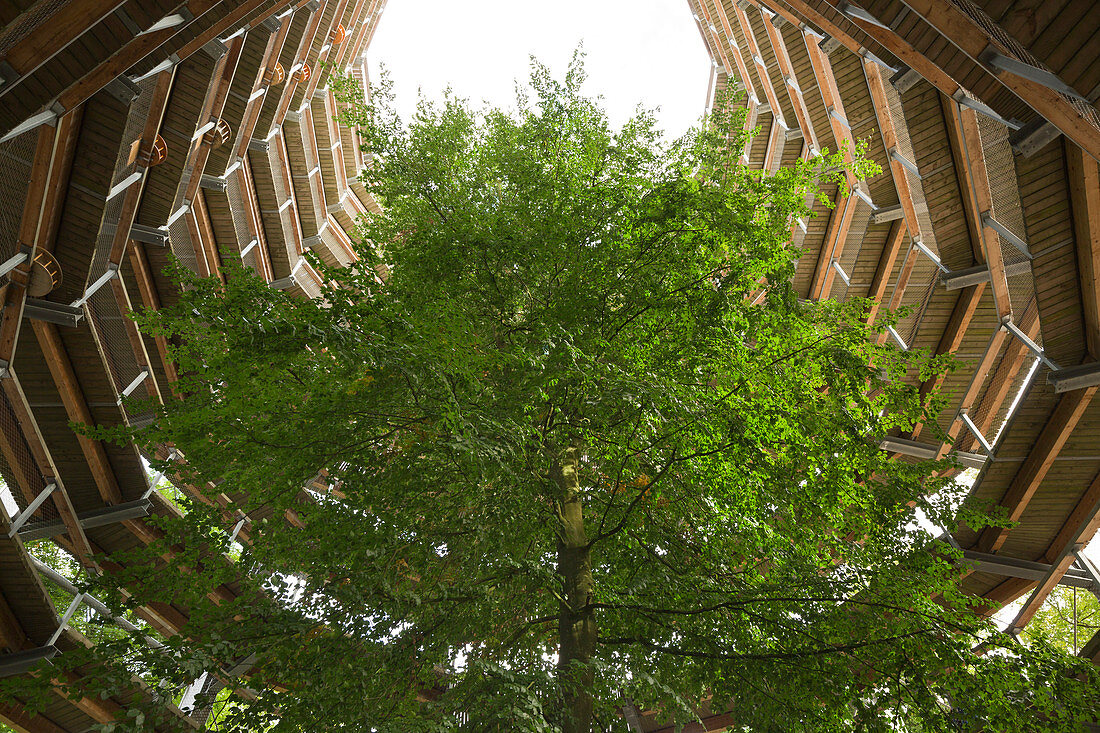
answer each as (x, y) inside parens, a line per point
(1068, 619)
(555, 421)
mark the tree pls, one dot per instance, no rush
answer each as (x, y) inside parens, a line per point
(571, 464)
(1067, 620)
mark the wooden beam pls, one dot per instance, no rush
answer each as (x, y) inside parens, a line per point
(885, 268)
(974, 388)
(67, 23)
(28, 426)
(761, 69)
(961, 315)
(18, 719)
(972, 39)
(117, 63)
(151, 299)
(888, 126)
(840, 221)
(1084, 190)
(263, 81)
(1071, 407)
(776, 138)
(736, 53)
(76, 407)
(30, 224)
(794, 91)
(962, 175)
(1083, 513)
(718, 45)
(978, 197)
(1073, 537)
(326, 50)
(830, 96)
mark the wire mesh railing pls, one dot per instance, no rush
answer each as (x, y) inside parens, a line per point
(16, 158)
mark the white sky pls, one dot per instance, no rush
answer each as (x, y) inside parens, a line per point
(646, 51)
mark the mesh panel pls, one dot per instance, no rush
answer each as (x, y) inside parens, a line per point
(857, 234)
(16, 157)
(110, 326)
(135, 125)
(1006, 208)
(179, 238)
(240, 220)
(905, 148)
(19, 469)
(992, 29)
(28, 22)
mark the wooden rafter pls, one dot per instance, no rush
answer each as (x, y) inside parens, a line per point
(293, 79)
(888, 127)
(68, 22)
(15, 294)
(776, 137)
(325, 51)
(1071, 407)
(263, 82)
(961, 315)
(978, 198)
(1084, 189)
(742, 68)
(719, 47)
(758, 59)
(786, 68)
(1001, 382)
(977, 379)
(117, 63)
(1077, 530)
(840, 221)
(17, 717)
(28, 427)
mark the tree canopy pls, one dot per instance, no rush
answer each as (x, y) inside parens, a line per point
(585, 448)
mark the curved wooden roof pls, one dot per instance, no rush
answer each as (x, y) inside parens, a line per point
(978, 114)
(82, 106)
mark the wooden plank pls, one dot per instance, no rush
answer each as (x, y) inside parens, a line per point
(840, 221)
(1084, 189)
(1071, 407)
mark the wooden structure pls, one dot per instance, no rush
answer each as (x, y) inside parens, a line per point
(130, 129)
(985, 221)
(134, 128)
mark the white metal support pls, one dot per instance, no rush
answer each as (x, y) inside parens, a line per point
(133, 385)
(112, 271)
(14, 261)
(26, 514)
(77, 600)
(965, 416)
(987, 218)
(1031, 345)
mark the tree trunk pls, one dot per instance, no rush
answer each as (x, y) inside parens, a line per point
(576, 621)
